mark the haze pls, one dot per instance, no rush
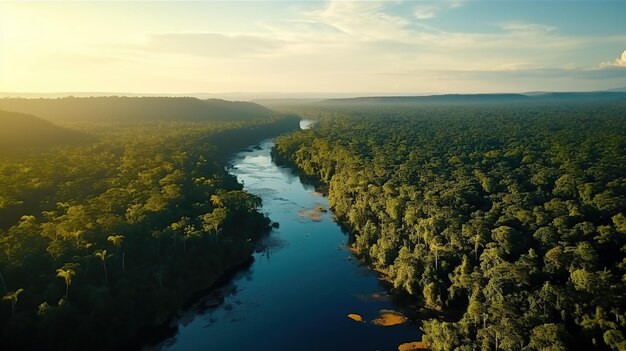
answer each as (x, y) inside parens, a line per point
(315, 46)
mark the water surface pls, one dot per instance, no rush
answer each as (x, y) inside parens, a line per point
(300, 289)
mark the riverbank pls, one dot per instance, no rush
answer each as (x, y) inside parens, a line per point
(418, 310)
(241, 258)
(413, 305)
(299, 291)
(123, 230)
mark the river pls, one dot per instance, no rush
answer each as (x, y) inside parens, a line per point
(302, 285)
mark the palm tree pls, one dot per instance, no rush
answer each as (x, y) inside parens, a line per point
(217, 200)
(67, 273)
(437, 246)
(12, 296)
(117, 241)
(102, 255)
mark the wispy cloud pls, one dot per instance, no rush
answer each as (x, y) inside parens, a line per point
(362, 20)
(518, 26)
(211, 45)
(429, 10)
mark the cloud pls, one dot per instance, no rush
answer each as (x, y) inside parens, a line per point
(425, 12)
(303, 26)
(430, 10)
(358, 37)
(618, 62)
(214, 45)
(372, 22)
(519, 26)
(362, 20)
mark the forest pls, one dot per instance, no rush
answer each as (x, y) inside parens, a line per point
(104, 237)
(135, 109)
(509, 219)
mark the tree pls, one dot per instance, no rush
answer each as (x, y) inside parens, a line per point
(461, 278)
(103, 256)
(431, 296)
(217, 201)
(548, 337)
(214, 220)
(475, 308)
(66, 272)
(584, 280)
(406, 270)
(189, 231)
(441, 336)
(12, 296)
(436, 245)
(117, 241)
(615, 339)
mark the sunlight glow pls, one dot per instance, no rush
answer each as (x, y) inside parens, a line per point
(336, 46)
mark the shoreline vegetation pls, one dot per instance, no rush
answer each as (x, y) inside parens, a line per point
(512, 215)
(101, 240)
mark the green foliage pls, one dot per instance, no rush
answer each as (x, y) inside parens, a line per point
(513, 215)
(111, 236)
(615, 339)
(549, 337)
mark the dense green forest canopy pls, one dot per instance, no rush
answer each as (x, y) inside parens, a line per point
(513, 215)
(100, 239)
(135, 109)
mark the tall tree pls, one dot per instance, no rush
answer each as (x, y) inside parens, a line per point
(66, 272)
(103, 256)
(13, 297)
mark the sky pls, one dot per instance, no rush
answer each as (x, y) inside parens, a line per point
(381, 47)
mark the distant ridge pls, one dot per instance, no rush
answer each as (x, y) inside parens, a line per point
(478, 98)
(135, 109)
(21, 132)
(233, 96)
(447, 98)
(622, 89)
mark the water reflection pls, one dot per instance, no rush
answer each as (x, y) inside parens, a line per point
(302, 284)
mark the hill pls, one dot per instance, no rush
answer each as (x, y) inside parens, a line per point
(549, 97)
(136, 109)
(20, 131)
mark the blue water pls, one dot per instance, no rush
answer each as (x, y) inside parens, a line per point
(302, 285)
